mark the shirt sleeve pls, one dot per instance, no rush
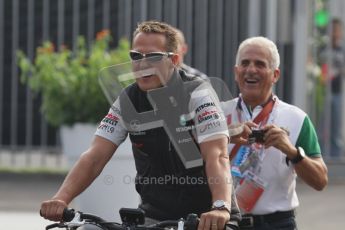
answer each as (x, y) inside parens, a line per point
(208, 116)
(111, 127)
(307, 139)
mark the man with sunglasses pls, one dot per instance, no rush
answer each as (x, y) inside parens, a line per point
(170, 118)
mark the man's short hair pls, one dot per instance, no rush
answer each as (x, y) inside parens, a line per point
(263, 42)
(159, 28)
(180, 36)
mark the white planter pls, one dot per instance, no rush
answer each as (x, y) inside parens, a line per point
(75, 140)
(114, 188)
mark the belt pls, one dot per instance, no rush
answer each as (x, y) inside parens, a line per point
(249, 220)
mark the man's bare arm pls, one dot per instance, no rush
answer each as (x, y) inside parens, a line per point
(214, 153)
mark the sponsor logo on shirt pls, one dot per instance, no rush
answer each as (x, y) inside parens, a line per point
(106, 128)
(138, 145)
(140, 133)
(185, 140)
(185, 128)
(201, 107)
(208, 115)
(209, 126)
(116, 109)
(134, 125)
(110, 119)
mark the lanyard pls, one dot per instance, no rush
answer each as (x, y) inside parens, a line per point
(262, 116)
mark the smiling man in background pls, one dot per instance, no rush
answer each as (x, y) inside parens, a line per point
(280, 142)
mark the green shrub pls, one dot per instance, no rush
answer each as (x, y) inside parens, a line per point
(68, 81)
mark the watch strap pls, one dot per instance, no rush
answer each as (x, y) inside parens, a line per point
(222, 208)
(221, 205)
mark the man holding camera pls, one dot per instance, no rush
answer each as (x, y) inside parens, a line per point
(279, 144)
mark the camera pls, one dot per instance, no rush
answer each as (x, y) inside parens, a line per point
(257, 136)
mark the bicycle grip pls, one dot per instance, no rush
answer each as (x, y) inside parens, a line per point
(68, 214)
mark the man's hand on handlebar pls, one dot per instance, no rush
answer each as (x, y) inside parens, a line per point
(214, 220)
(53, 209)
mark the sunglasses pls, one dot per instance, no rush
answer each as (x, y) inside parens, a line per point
(153, 56)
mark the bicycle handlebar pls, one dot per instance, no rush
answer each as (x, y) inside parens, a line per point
(132, 219)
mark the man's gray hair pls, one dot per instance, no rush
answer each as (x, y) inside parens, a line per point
(263, 42)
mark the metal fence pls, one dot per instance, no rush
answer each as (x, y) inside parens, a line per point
(213, 30)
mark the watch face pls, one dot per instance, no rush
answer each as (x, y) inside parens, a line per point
(300, 156)
(219, 203)
(301, 151)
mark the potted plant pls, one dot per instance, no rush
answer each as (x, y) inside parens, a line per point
(71, 94)
(68, 85)
(68, 81)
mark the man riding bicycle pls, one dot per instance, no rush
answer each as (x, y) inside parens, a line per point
(168, 116)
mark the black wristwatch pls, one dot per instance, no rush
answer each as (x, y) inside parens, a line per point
(300, 156)
(221, 205)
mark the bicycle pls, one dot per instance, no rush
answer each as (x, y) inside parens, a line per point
(132, 219)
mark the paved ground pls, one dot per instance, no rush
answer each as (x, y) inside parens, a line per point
(21, 196)
(321, 210)
(20, 200)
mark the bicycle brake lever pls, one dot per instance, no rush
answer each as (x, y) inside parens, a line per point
(76, 221)
(180, 225)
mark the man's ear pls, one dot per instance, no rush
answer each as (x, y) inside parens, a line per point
(175, 59)
(184, 49)
(276, 76)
